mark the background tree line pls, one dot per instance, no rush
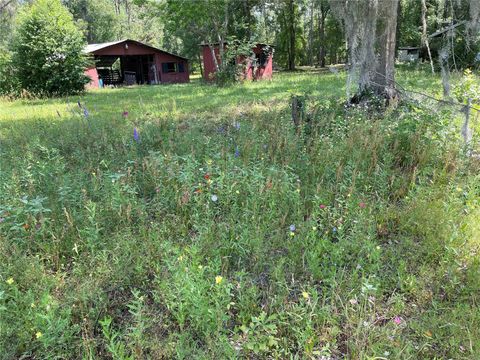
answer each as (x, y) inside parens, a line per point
(303, 32)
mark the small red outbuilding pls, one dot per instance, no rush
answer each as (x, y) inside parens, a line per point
(258, 66)
(132, 62)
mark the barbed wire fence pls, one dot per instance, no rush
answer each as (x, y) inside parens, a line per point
(464, 109)
(470, 110)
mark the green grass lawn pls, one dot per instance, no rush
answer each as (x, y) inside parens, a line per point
(196, 222)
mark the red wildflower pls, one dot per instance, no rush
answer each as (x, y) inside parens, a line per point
(362, 205)
(322, 206)
(206, 176)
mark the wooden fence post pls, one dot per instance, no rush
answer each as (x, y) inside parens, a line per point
(297, 110)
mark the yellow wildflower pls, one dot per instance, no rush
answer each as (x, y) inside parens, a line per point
(292, 233)
(10, 281)
(38, 334)
(306, 295)
(218, 279)
(32, 305)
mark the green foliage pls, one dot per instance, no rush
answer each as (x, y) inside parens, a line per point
(117, 248)
(467, 88)
(8, 81)
(48, 50)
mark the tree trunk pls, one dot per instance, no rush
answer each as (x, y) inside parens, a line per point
(321, 36)
(424, 33)
(200, 64)
(310, 35)
(214, 56)
(292, 50)
(384, 79)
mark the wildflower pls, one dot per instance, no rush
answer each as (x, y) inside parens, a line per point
(237, 152)
(306, 295)
(236, 125)
(32, 305)
(85, 112)
(218, 279)
(314, 228)
(334, 230)
(26, 226)
(298, 190)
(136, 137)
(2, 220)
(125, 114)
(214, 198)
(200, 267)
(293, 228)
(10, 281)
(397, 320)
(353, 301)
(209, 162)
(206, 176)
(38, 225)
(38, 334)
(237, 192)
(362, 205)
(323, 206)
(292, 234)
(180, 258)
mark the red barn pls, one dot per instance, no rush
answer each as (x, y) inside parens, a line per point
(132, 62)
(256, 67)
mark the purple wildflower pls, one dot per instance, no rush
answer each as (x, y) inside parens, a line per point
(85, 112)
(397, 320)
(38, 225)
(334, 230)
(293, 228)
(125, 114)
(136, 137)
(237, 152)
(236, 125)
(2, 220)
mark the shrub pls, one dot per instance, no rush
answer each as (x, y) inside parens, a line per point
(8, 82)
(48, 50)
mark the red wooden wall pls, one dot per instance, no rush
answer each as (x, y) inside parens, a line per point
(135, 49)
(262, 72)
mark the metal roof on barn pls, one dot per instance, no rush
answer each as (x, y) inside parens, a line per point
(92, 48)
